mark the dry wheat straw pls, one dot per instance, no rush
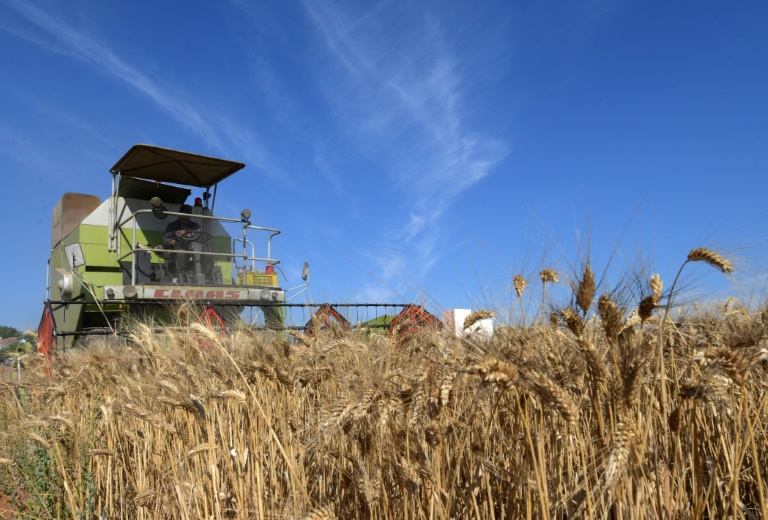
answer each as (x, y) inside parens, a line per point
(232, 394)
(656, 286)
(554, 319)
(674, 420)
(446, 384)
(321, 513)
(593, 360)
(701, 254)
(646, 307)
(495, 371)
(585, 292)
(548, 276)
(610, 315)
(35, 423)
(400, 452)
(730, 362)
(61, 420)
(168, 385)
(519, 283)
(551, 393)
(633, 319)
(42, 441)
(301, 338)
(477, 316)
(617, 458)
(573, 321)
(100, 453)
(200, 448)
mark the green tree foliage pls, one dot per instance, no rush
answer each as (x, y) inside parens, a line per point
(9, 332)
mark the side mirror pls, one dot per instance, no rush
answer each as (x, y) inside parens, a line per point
(159, 212)
(305, 272)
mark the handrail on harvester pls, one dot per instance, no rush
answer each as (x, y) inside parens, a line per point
(135, 249)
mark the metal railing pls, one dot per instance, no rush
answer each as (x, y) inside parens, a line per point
(135, 248)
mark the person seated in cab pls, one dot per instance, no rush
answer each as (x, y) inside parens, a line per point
(180, 235)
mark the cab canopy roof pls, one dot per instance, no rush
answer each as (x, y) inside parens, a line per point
(149, 162)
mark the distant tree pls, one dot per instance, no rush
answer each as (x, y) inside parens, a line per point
(9, 332)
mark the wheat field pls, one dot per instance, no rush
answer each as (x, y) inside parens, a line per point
(603, 409)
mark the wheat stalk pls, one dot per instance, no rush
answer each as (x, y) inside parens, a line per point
(496, 372)
(734, 365)
(585, 292)
(551, 393)
(321, 513)
(477, 316)
(200, 448)
(232, 394)
(548, 276)
(610, 315)
(656, 286)
(42, 441)
(619, 454)
(519, 283)
(716, 260)
(593, 359)
(646, 307)
(573, 321)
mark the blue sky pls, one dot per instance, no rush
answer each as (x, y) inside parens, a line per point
(408, 150)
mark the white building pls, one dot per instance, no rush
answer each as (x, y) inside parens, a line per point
(454, 320)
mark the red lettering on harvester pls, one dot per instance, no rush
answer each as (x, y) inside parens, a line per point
(198, 294)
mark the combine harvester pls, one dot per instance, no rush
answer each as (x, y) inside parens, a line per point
(109, 260)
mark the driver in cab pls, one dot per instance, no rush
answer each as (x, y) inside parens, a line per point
(179, 233)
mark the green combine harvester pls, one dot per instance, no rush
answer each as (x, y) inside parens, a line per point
(111, 258)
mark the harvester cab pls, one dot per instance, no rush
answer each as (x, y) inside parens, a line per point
(146, 250)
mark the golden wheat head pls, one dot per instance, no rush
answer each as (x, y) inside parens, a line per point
(548, 276)
(586, 290)
(477, 316)
(702, 254)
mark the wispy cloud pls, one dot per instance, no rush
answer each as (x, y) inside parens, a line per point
(82, 47)
(403, 87)
(217, 130)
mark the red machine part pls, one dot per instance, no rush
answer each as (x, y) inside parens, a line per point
(324, 316)
(210, 317)
(413, 318)
(46, 333)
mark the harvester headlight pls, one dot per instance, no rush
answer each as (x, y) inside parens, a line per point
(129, 291)
(65, 282)
(245, 214)
(158, 210)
